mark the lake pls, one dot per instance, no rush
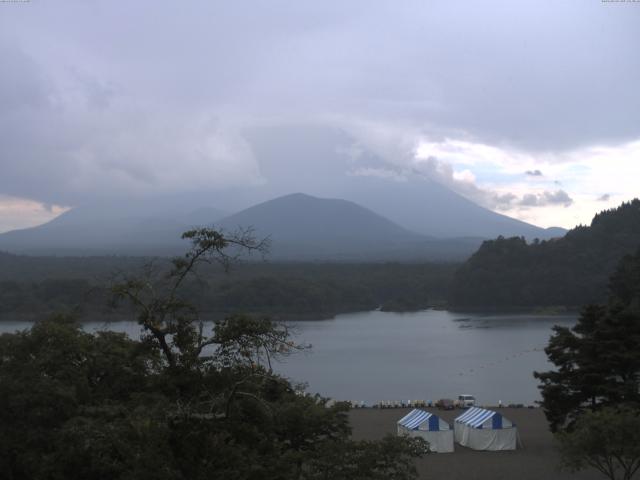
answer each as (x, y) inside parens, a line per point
(374, 356)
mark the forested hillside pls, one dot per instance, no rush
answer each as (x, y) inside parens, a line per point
(32, 286)
(569, 271)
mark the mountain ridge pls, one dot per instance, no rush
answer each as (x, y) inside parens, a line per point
(303, 227)
(84, 231)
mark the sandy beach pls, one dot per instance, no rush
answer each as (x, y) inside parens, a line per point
(536, 460)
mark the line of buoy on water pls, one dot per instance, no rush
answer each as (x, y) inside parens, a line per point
(396, 404)
(392, 404)
(498, 362)
(384, 404)
(401, 404)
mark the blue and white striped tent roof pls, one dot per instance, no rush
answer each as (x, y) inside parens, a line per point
(480, 418)
(419, 419)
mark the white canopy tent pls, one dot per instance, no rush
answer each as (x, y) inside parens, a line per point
(419, 423)
(482, 429)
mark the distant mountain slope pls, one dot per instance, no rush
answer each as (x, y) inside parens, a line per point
(96, 230)
(313, 156)
(428, 207)
(572, 270)
(301, 217)
(302, 227)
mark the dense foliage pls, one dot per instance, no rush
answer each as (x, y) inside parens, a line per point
(180, 403)
(607, 440)
(33, 286)
(598, 360)
(568, 271)
(592, 397)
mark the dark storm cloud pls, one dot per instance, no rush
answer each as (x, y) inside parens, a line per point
(101, 98)
(559, 197)
(23, 86)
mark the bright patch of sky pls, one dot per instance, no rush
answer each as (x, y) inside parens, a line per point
(17, 213)
(569, 186)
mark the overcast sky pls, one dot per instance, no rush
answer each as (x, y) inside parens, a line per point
(528, 108)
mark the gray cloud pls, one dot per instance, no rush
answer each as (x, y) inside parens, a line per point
(443, 173)
(24, 86)
(534, 173)
(107, 98)
(559, 197)
(604, 198)
(67, 143)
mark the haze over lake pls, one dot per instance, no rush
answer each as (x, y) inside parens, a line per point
(426, 355)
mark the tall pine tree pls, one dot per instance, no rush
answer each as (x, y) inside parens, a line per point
(598, 360)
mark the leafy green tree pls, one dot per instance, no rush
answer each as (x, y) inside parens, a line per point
(388, 459)
(625, 283)
(178, 404)
(54, 373)
(592, 398)
(607, 440)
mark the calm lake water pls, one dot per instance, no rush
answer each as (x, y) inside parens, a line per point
(373, 356)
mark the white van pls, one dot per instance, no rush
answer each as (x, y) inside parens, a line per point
(466, 401)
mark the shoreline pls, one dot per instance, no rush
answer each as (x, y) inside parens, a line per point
(85, 317)
(551, 310)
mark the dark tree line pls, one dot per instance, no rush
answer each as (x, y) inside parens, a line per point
(592, 397)
(282, 290)
(569, 271)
